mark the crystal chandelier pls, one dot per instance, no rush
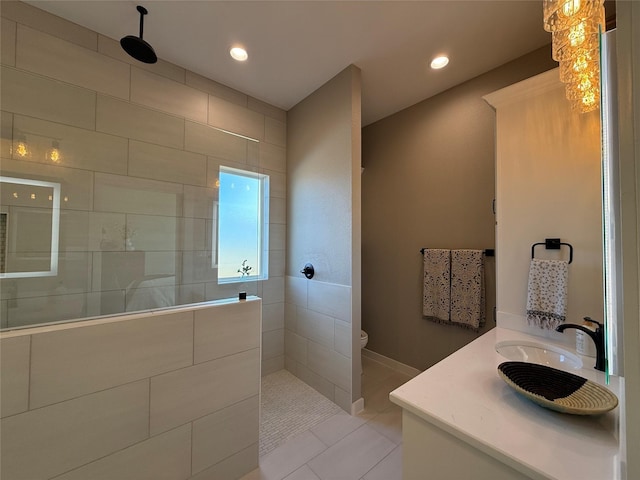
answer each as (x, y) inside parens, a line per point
(575, 26)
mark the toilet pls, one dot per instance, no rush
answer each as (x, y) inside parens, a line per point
(364, 338)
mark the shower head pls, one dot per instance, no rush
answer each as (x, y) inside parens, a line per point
(136, 46)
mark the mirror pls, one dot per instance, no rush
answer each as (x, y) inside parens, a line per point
(611, 205)
(30, 222)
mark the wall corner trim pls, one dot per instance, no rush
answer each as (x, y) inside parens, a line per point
(531, 87)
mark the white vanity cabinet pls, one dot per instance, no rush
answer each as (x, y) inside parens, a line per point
(462, 421)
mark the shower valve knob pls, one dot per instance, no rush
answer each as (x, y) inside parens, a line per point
(308, 271)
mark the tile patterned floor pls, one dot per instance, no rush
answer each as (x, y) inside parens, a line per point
(289, 407)
(343, 447)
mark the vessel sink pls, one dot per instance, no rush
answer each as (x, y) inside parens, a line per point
(542, 354)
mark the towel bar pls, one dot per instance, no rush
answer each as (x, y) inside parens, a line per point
(552, 244)
(489, 252)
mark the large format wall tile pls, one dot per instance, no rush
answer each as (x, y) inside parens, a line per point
(295, 347)
(112, 48)
(79, 148)
(296, 290)
(273, 157)
(115, 193)
(290, 316)
(132, 121)
(272, 365)
(315, 326)
(107, 231)
(273, 317)
(168, 96)
(277, 236)
(153, 232)
(329, 364)
(272, 344)
(342, 398)
(216, 89)
(190, 393)
(47, 99)
(277, 183)
(234, 118)
(6, 134)
(193, 233)
(74, 362)
(212, 141)
(123, 270)
(163, 457)
(76, 185)
(199, 201)
(104, 303)
(161, 163)
(266, 109)
(342, 339)
(72, 277)
(55, 308)
(8, 55)
(226, 330)
(225, 432)
(46, 442)
(331, 299)
(277, 260)
(234, 466)
(46, 22)
(52, 57)
(14, 378)
(196, 268)
(277, 210)
(273, 290)
(320, 383)
(275, 132)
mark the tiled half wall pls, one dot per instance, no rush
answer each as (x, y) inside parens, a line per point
(140, 150)
(164, 394)
(318, 336)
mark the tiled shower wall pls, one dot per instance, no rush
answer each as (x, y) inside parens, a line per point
(318, 337)
(140, 150)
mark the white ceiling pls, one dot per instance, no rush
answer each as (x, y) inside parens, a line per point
(296, 46)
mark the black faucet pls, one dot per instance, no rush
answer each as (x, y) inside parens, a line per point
(597, 336)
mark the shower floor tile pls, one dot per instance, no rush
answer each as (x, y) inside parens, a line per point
(289, 407)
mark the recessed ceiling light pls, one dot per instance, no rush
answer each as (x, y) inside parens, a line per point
(239, 54)
(439, 62)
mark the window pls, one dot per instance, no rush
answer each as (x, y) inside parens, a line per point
(243, 226)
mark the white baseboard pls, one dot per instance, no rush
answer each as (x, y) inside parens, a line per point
(357, 406)
(391, 363)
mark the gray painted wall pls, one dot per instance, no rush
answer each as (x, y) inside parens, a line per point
(429, 181)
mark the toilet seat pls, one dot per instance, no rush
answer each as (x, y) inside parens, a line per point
(364, 338)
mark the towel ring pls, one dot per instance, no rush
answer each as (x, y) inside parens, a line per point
(552, 244)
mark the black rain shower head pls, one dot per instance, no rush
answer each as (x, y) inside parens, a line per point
(136, 46)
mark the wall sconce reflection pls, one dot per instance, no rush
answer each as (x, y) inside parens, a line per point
(21, 148)
(53, 154)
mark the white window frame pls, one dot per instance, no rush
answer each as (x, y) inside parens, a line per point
(263, 233)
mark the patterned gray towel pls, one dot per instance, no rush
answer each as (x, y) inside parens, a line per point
(547, 293)
(436, 290)
(467, 288)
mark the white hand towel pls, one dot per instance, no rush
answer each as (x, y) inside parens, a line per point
(547, 293)
(467, 288)
(436, 290)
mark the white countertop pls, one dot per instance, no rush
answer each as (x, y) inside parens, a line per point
(464, 396)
